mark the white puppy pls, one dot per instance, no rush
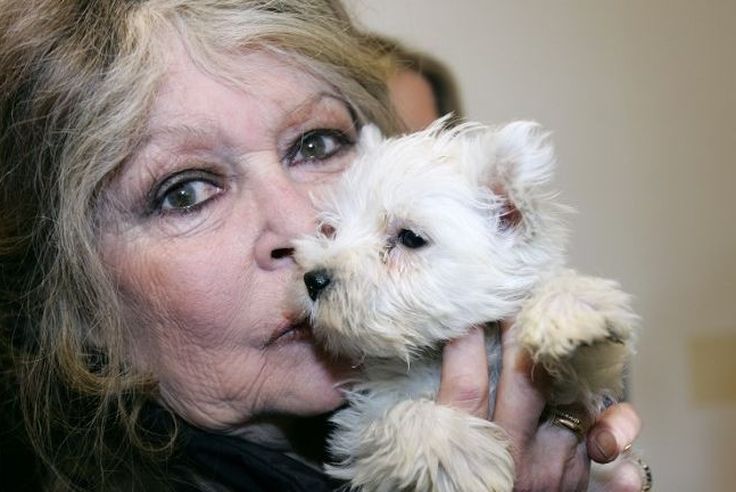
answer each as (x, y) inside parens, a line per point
(425, 236)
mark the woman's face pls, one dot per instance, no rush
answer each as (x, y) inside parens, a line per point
(199, 239)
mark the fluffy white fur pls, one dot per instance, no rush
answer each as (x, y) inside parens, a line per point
(492, 247)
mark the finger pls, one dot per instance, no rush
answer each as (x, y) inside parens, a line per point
(519, 400)
(569, 443)
(464, 379)
(616, 428)
(620, 476)
(627, 479)
(576, 473)
(560, 461)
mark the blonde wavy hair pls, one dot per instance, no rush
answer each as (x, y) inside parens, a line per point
(77, 79)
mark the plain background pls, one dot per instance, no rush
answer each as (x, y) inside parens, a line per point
(641, 98)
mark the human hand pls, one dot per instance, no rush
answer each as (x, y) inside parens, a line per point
(608, 442)
(547, 457)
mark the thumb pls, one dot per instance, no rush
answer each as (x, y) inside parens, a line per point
(519, 398)
(464, 379)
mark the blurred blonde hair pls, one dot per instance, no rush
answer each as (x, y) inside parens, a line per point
(440, 78)
(77, 79)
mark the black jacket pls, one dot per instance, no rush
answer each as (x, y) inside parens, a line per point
(240, 465)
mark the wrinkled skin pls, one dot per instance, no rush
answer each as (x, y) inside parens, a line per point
(199, 239)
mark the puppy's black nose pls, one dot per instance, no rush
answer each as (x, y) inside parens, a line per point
(316, 281)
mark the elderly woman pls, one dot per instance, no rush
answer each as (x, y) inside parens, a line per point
(156, 162)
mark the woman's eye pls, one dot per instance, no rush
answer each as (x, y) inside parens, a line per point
(318, 145)
(183, 193)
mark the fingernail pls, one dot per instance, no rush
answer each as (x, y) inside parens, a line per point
(606, 444)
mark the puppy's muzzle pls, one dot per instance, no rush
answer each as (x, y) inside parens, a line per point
(316, 281)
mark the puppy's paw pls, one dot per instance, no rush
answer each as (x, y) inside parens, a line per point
(420, 445)
(569, 311)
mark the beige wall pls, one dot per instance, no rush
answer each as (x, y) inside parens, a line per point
(641, 97)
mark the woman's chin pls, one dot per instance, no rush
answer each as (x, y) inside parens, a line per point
(325, 390)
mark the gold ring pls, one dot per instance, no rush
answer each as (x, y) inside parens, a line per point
(566, 420)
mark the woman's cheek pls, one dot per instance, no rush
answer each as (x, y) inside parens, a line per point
(199, 291)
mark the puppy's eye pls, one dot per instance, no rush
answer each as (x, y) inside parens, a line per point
(410, 239)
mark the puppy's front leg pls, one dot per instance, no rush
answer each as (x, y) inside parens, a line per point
(423, 446)
(581, 330)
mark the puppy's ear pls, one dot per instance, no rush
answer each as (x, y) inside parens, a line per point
(516, 162)
(524, 157)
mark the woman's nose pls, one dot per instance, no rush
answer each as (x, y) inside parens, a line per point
(288, 213)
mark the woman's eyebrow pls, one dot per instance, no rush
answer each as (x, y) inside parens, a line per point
(178, 133)
(180, 137)
(306, 107)
(187, 136)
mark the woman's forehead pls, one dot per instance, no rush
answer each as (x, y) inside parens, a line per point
(252, 82)
(198, 110)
